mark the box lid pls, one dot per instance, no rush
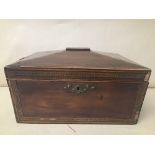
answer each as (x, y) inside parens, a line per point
(83, 58)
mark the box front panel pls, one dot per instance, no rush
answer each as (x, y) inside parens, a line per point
(70, 101)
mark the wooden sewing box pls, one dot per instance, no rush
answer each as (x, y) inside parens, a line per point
(77, 85)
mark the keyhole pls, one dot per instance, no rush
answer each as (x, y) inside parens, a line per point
(78, 88)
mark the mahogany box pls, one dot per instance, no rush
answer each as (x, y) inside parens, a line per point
(77, 85)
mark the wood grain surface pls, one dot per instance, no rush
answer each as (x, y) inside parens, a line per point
(37, 87)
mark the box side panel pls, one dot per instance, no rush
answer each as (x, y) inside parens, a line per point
(139, 101)
(48, 102)
(14, 92)
(16, 80)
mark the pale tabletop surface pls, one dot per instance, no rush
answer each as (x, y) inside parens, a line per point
(146, 124)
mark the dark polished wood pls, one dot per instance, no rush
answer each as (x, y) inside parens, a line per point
(77, 85)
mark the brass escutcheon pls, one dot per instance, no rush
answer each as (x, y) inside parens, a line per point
(78, 88)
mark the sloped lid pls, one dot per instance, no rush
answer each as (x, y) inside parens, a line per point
(77, 58)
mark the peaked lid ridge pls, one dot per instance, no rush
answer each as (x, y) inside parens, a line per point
(83, 58)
